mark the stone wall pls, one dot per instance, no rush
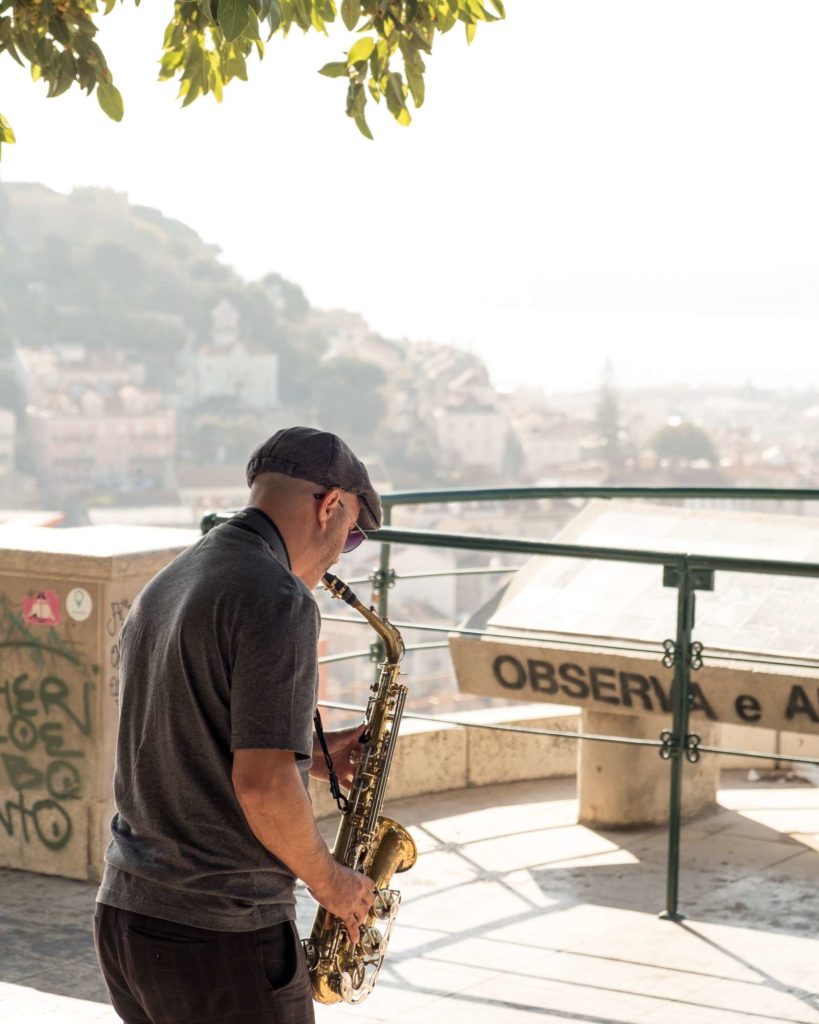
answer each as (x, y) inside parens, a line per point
(64, 595)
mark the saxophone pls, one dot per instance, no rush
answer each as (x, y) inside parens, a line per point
(366, 840)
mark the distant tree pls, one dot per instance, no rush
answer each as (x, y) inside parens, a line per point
(207, 43)
(119, 266)
(514, 458)
(347, 397)
(11, 395)
(683, 440)
(607, 416)
(289, 300)
(412, 459)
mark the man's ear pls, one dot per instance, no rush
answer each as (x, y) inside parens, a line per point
(327, 506)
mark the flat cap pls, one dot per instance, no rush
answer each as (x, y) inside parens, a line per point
(322, 458)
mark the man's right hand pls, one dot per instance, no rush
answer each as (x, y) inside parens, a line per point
(349, 895)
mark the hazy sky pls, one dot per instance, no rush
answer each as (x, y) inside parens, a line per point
(635, 178)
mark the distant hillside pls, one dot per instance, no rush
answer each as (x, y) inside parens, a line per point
(92, 269)
(89, 268)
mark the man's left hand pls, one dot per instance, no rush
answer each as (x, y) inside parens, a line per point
(345, 750)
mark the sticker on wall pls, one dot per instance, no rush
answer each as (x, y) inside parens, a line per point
(78, 604)
(42, 610)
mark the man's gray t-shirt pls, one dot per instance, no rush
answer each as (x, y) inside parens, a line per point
(219, 653)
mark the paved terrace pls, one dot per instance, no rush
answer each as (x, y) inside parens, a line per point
(515, 914)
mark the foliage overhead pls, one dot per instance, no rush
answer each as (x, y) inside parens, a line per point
(207, 43)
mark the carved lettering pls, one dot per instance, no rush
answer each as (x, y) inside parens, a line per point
(799, 703)
(517, 680)
(748, 708)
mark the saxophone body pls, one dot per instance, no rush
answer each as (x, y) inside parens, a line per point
(339, 969)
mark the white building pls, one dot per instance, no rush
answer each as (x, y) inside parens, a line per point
(557, 444)
(230, 368)
(472, 435)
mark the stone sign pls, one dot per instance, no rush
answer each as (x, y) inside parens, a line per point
(769, 697)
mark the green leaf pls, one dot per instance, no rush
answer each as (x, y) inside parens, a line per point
(356, 102)
(252, 29)
(361, 50)
(233, 17)
(415, 81)
(110, 100)
(274, 16)
(335, 69)
(362, 126)
(6, 134)
(350, 13)
(237, 67)
(471, 29)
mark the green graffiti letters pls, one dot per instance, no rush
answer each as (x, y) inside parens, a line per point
(45, 713)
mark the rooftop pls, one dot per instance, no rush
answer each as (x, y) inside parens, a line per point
(516, 914)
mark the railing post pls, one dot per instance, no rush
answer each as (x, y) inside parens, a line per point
(678, 745)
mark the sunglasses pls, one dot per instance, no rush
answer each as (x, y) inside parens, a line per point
(356, 536)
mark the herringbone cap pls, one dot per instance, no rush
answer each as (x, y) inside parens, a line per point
(324, 459)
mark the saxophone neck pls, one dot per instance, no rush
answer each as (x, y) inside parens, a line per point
(391, 638)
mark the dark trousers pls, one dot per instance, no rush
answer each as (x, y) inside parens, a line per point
(159, 972)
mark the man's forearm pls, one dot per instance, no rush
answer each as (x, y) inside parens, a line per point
(280, 815)
(277, 809)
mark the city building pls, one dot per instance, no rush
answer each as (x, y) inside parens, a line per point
(122, 441)
(230, 368)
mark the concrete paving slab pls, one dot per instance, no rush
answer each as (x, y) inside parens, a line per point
(515, 914)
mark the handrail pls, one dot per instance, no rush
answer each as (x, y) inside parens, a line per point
(520, 545)
(427, 497)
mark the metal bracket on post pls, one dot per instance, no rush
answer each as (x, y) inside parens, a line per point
(382, 579)
(692, 748)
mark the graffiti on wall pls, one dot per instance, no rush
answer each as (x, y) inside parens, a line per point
(113, 627)
(46, 691)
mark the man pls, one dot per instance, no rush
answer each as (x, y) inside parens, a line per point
(194, 919)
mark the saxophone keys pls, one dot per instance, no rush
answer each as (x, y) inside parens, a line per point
(370, 941)
(386, 904)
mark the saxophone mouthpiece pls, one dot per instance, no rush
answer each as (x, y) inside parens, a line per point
(338, 588)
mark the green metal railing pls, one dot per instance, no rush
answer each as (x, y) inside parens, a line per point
(687, 573)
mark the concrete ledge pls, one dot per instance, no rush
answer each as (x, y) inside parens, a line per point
(515, 757)
(433, 758)
(745, 737)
